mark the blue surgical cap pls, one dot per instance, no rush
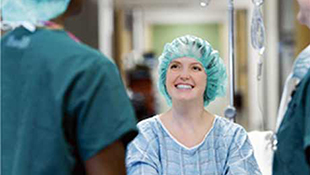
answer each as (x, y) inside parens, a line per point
(32, 11)
(202, 51)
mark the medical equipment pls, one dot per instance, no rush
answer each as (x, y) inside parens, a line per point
(258, 43)
(230, 111)
(258, 34)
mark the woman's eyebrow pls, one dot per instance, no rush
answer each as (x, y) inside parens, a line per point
(196, 64)
(175, 62)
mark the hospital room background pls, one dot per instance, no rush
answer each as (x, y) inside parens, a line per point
(133, 33)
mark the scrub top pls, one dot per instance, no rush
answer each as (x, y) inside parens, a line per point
(61, 103)
(294, 134)
(225, 150)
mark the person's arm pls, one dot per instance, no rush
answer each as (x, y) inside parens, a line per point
(142, 154)
(109, 161)
(142, 167)
(102, 118)
(141, 159)
(241, 158)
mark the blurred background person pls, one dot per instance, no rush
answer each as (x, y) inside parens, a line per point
(64, 109)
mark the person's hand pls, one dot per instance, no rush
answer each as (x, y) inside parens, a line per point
(109, 161)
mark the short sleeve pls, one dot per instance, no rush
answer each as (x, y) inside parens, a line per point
(97, 98)
(142, 156)
(241, 158)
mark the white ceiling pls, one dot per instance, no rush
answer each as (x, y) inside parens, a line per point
(214, 4)
(181, 11)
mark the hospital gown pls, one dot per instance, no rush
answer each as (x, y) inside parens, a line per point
(226, 149)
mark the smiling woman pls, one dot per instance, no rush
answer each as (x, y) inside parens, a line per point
(201, 51)
(186, 80)
(187, 139)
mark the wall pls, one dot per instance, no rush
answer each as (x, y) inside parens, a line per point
(85, 25)
(163, 33)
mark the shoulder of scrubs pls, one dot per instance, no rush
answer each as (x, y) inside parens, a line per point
(142, 153)
(294, 133)
(298, 111)
(64, 97)
(240, 158)
(94, 95)
(104, 111)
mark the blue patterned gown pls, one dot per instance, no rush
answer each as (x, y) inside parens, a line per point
(225, 150)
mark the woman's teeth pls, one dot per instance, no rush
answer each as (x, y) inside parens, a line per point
(183, 86)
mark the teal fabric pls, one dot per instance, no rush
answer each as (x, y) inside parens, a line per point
(199, 49)
(294, 133)
(32, 11)
(59, 98)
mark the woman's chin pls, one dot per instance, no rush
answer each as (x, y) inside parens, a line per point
(185, 100)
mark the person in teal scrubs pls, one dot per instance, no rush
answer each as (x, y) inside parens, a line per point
(292, 156)
(64, 109)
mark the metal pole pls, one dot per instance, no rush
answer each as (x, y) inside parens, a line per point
(230, 111)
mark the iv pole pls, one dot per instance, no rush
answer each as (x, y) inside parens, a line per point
(257, 36)
(230, 111)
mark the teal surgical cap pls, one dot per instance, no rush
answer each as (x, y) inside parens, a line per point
(202, 51)
(32, 11)
(302, 64)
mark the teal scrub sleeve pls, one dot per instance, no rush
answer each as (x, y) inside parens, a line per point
(307, 117)
(97, 98)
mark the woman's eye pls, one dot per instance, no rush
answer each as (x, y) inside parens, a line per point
(174, 66)
(197, 68)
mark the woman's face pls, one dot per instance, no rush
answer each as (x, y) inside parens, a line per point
(186, 80)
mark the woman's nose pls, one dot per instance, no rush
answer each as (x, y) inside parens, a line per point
(184, 75)
(184, 78)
